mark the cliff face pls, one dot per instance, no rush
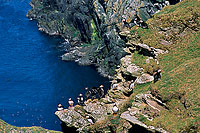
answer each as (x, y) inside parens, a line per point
(169, 104)
(92, 27)
(118, 34)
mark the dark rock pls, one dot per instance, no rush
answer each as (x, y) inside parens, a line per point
(97, 23)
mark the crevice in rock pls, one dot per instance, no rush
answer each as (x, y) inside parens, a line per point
(111, 129)
(66, 129)
(124, 38)
(138, 129)
(144, 52)
(173, 2)
(102, 2)
(128, 77)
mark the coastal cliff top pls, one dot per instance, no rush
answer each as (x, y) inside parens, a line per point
(5, 128)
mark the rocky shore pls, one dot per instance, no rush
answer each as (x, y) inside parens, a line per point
(108, 34)
(143, 105)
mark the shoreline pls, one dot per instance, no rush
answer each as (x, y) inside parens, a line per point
(154, 100)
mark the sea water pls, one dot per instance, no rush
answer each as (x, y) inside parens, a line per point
(33, 78)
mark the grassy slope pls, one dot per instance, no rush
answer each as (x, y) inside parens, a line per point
(181, 66)
(5, 128)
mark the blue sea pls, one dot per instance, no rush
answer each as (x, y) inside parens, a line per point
(33, 78)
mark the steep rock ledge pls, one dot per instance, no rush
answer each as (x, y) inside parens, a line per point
(119, 93)
(170, 104)
(94, 24)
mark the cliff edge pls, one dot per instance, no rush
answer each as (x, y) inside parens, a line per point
(92, 27)
(151, 54)
(151, 104)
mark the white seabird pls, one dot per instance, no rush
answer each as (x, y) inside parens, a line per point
(89, 120)
(115, 109)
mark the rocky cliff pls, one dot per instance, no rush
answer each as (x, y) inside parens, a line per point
(120, 37)
(92, 27)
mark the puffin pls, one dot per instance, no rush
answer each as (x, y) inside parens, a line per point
(114, 86)
(90, 119)
(101, 91)
(115, 110)
(132, 85)
(60, 107)
(71, 103)
(88, 93)
(78, 100)
(81, 99)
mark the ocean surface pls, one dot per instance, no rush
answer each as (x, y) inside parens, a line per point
(33, 78)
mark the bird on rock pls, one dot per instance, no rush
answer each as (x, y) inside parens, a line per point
(115, 110)
(60, 107)
(90, 119)
(71, 103)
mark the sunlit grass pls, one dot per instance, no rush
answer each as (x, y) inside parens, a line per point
(179, 86)
(7, 128)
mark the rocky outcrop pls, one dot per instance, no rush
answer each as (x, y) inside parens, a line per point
(144, 78)
(145, 106)
(122, 87)
(98, 110)
(76, 116)
(79, 55)
(134, 120)
(128, 68)
(72, 118)
(96, 24)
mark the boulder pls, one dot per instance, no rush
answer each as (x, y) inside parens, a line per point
(134, 120)
(79, 54)
(72, 118)
(128, 68)
(144, 78)
(133, 70)
(97, 109)
(133, 111)
(126, 115)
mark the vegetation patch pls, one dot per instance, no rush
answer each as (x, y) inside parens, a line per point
(7, 128)
(140, 60)
(178, 27)
(109, 124)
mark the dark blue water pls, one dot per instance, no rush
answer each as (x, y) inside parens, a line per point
(33, 79)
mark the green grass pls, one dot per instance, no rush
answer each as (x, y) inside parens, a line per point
(171, 16)
(111, 122)
(95, 39)
(6, 128)
(180, 82)
(140, 60)
(140, 88)
(94, 30)
(140, 31)
(142, 118)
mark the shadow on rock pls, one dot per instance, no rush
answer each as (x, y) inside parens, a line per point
(66, 129)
